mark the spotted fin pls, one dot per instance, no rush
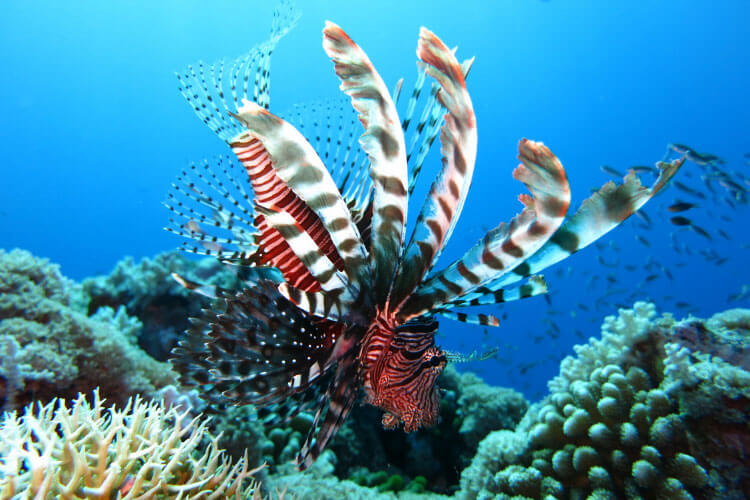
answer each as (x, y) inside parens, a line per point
(259, 349)
(212, 211)
(214, 90)
(508, 245)
(330, 129)
(383, 141)
(458, 139)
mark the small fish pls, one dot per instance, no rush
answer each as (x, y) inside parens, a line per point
(681, 206)
(689, 190)
(641, 214)
(643, 169)
(723, 234)
(611, 171)
(642, 240)
(695, 156)
(679, 220)
(651, 277)
(701, 231)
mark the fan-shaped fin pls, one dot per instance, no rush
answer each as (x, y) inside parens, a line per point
(216, 89)
(383, 141)
(212, 207)
(458, 139)
(259, 350)
(506, 246)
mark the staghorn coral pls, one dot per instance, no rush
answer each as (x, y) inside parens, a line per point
(49, 349)
(141, 451)
(649, 411)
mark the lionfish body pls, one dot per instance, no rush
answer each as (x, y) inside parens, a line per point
(336, 299)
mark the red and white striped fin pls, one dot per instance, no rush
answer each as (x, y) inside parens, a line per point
(287, 174)
(508, 245)
(330, 279)
(212, 207)
(216, 89)
(320, 304)
(330, 129)
(486, 296)
(383, 141)
(474, 319)
(599, 214)
(458, 139)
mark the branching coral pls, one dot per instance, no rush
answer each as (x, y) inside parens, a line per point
(50, 349)
(90, 451)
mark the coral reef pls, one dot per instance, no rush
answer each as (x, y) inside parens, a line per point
(49, 349)
(148, 292)
(650, 410)
(91, 451)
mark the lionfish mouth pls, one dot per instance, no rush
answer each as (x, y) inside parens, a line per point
(334, 298)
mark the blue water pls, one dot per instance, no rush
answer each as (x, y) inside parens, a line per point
(93, 130)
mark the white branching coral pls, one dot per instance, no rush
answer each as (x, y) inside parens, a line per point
(92, 451)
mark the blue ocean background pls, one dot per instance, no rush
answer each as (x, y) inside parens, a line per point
(94, 131)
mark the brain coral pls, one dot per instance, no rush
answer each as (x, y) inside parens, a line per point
(649, 411)
(89, 451)
(50, 349)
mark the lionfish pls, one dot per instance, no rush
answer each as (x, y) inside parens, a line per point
(334, 298)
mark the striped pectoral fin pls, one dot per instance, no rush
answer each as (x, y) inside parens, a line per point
(606, 209)
(458, 139)
(383, 141)
(287, 173)
(508, 245)
(333, 410)
(536, 285)
(474, 319)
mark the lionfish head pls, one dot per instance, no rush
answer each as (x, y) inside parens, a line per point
(400, 377)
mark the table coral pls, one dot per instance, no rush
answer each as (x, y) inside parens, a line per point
(50, 349)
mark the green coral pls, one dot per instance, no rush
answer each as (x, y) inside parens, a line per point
(91, 451)
(51, 349)
(639, 412)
